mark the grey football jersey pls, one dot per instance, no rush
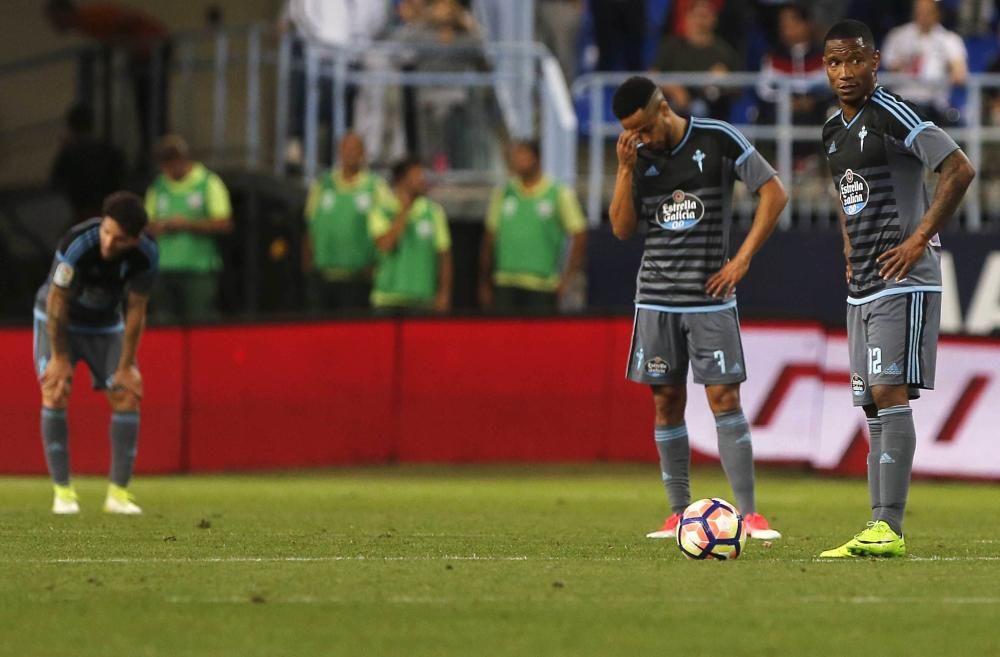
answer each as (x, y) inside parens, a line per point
(683, 201)
(877, 161)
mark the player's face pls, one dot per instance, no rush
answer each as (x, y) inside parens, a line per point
(416, 181)
(114, 240)
(850, 67)
(651, 125)
(175, 169)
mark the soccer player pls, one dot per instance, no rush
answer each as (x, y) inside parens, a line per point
(878, 147)
(78, 316)
(414, 270)
(527, 224)
(675, 183)
(338, 251)
(188, 206)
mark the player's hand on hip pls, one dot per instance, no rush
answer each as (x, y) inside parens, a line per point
(628, 142)
(897, 261)
(57, 379)
(723, 282)
(127, 378)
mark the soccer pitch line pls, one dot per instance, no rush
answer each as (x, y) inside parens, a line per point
(463, 557)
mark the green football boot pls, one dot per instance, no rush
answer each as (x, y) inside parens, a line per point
(876, 540)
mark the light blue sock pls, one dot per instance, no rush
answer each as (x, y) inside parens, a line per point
(675, 464)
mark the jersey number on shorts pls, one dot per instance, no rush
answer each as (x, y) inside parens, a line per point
(720, 358)
(874, 360)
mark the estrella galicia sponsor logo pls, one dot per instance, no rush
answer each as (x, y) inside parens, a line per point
(680, 212)
(853, 192)
(657, 367)
(857, 385)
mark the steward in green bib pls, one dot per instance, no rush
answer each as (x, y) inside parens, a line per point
(188, 206)
(527, 225)
(338, 254)
(414, 269)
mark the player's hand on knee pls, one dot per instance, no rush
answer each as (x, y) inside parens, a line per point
(127, 379)
(57, 380)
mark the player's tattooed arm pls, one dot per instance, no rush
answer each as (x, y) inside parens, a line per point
(622, 210)
(773, 199)
(955, 176)
(127, 375)
(57, 311)
(58, 373)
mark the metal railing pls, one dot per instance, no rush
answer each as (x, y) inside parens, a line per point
(812, 200)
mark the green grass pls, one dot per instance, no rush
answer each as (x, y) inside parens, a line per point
(500, 561)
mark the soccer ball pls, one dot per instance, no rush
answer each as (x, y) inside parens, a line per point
(711, 529)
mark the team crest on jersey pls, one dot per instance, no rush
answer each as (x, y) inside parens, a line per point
(681, 212)
(509, 206)
(544, 209)
(195, 200)
(853, 193)
(425, 229)
(363, 201)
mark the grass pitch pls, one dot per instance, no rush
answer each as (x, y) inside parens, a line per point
(505, 561)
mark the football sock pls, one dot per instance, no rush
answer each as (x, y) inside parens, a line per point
(124, 436)
(675, 462)
(874, 453)
(736, 454)
(55, 438)
(899, 441)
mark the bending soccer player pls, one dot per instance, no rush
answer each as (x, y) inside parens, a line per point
(675, 182)
(78, 316)
(878, 147)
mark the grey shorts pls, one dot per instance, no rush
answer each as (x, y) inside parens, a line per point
(893, 341)
(101, 351)
(663, 343)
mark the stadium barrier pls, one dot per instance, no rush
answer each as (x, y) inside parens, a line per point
(259, 397)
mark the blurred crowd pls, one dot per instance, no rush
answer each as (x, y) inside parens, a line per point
(381, 242)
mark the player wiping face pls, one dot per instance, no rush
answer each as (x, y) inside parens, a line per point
(650, 128)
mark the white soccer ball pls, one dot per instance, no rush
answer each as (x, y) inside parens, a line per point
(711, 528)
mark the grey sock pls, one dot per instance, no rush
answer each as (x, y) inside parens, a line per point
(899, 441)
(675, 462)
(55, 439)
(874, 453)
(124, 436)
(736, 453)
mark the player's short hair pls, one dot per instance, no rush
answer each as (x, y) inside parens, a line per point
(128, 211)
(532, 145)
(633, 94)
(402, 167)
(171, 148)
(851, 29)
(80, 119)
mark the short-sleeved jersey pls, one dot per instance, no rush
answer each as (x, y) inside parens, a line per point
(97, 286)
(877, 160)
(683, 200)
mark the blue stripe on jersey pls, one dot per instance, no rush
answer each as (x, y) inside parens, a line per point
(903, 108)
(838, 113)
(83, 329)
(916, 131)
(893, 290)
(688, 309)
(899, 117)
(81, 244)
(683, 141)
(743, 158)
(722, 126)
